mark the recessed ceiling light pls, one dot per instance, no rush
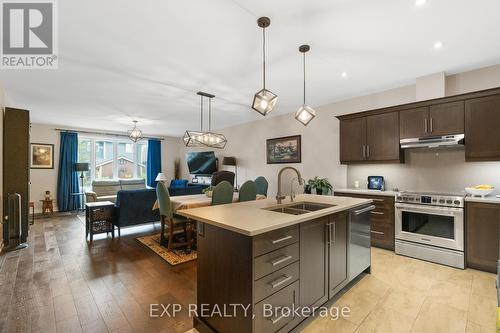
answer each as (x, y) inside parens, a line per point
(344, 74)
(420, 2)
(438, 45)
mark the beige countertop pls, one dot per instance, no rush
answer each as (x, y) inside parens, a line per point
(366, 191)
(249, 218)
(488, 199)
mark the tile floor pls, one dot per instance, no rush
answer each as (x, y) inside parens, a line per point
(409, 295)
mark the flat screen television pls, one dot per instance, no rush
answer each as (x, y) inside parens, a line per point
(201, 163)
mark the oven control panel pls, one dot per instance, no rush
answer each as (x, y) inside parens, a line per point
(430, 199)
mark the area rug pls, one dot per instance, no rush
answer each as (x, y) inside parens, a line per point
(174, 257)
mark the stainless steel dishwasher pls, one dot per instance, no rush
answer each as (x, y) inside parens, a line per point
(359, 240)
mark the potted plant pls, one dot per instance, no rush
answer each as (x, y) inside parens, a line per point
(321, 185)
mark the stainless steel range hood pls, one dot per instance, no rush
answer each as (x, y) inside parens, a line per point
(433, 142)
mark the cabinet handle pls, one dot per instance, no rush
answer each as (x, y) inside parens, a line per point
(276, 241)
(329, 225)
(334, 227)
(377, 213)
(425, 125)
(378, 200)
(364, 151)
(281, 260)
(377, 232)
(431, 126)
(279, 281)
(367, 151)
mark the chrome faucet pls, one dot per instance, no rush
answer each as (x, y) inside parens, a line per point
(279, 195)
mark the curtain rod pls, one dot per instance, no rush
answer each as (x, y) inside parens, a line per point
(102, 133)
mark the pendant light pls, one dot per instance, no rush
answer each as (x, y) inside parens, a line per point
(201, 139)
(212, 139)
(135, 134)
(305, 113)
(264, 100)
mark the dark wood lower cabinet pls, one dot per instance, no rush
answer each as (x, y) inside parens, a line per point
(301, 265)
(381, 219)
(482, 235)
(314, 262)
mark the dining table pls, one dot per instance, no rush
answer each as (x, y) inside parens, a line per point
(196, 200)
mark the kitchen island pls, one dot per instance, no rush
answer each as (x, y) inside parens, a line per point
(257, 258)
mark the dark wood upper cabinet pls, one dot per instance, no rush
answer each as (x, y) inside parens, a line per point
(446, 119)
(353, 140)
(370, 139)
(482, 235)
(382, 135)
(373, 136)
(482, 121)
(413, 123)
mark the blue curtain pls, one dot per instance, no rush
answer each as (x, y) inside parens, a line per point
(153, 164)
(67, 181)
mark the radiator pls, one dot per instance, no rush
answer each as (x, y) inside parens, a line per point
(13, 221)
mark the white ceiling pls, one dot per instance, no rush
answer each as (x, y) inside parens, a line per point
(122, 60)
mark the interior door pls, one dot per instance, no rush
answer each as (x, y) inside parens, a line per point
(413, 123)
(337, 252)
(16, 163)
(352, 139)
(447, 118)
(482, 116)
(314, 262)
(382, 133)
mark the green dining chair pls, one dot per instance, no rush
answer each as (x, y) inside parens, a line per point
(171, 223)
(222, 193)
(261, 184)
(248, 191)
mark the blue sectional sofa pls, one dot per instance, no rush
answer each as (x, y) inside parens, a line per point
(135, 207)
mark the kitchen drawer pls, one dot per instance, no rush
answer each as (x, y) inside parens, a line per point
(271, 262)
(382, 233)
(275, 281)
(287, 297)
(275, 239)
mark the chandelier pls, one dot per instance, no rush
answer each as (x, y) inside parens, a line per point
(135, 134)
(200, 139)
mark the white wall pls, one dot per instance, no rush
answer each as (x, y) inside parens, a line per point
(46, 179)
(436, 171)
(320, 140)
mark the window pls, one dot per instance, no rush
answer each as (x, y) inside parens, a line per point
(142, 155)
(104, 160)
(84, 156)
(112, 159)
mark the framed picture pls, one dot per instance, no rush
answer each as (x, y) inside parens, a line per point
(42, 156)
(284, 150)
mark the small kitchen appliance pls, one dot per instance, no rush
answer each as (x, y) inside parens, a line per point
(376, 183)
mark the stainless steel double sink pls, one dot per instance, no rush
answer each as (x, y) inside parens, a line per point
(299, 208)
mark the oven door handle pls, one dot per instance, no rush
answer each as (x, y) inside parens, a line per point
(428, 209)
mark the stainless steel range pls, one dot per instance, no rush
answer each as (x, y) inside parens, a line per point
(430, 226)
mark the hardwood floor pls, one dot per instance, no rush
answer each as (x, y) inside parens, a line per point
(61, 284)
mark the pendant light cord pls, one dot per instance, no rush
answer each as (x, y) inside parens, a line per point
(304, 69)
(264, 57)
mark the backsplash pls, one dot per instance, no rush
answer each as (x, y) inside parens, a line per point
(430, 170)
